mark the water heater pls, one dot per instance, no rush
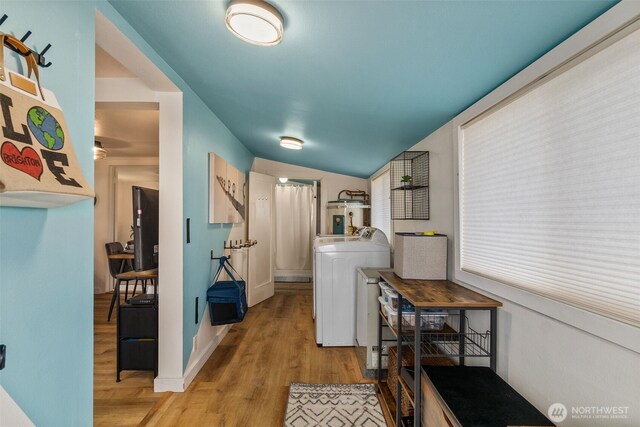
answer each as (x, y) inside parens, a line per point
(347, 216)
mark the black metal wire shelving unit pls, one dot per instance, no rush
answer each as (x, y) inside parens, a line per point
(410, 185)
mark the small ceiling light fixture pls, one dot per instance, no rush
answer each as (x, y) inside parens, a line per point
(255, 21)
(291, 143)
(98, 151)
(283, 180)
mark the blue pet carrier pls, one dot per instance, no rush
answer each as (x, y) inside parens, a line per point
(227, 298)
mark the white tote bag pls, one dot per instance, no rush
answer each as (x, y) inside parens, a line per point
(38, 166)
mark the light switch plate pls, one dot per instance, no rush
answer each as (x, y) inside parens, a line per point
(3, 355)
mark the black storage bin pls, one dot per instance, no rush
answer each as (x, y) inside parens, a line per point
(138, 354)
(138, 321)
(137, 345)
(227, 299)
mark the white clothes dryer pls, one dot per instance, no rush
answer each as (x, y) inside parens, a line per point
(336, 260)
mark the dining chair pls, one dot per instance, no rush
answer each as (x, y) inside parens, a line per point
(117, 266)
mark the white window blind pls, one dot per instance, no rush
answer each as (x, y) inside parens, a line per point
(381, 203)
(550, 187)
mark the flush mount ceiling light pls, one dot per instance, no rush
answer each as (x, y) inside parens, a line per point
(283, 180)
(98, 151)
(291, 143)
(255, 21)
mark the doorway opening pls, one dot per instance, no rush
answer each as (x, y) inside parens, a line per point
(139, 122)
(296, 225)
(129, 133)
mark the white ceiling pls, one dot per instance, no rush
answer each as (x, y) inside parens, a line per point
(107, 66)
(128, 129)
(125, 129)
(138, 173)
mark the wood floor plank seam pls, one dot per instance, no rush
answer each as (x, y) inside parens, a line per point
(244, 383)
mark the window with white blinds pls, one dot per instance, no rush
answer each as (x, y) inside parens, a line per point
(381, 203)
(550, 187)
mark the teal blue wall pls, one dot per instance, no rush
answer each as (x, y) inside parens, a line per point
(203, 133)
(46, 255)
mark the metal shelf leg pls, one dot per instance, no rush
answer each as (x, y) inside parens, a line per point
(417, 368)
(494, 338)
(399, 364)
(461, 336)
(379, 348)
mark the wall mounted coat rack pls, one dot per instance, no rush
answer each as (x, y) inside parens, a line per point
(39, 57)
(236, 245)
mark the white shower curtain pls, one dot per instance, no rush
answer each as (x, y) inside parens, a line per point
(294, 220)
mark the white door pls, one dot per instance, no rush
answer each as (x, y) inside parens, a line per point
(261, 225)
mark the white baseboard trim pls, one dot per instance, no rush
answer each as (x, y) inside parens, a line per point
(194, 368)
(168, 384)
(10, 412)
(181, 384)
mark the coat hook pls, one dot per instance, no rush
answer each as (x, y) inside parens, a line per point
(41, 60)
(45, 49)
(39, 57)
(26, 36)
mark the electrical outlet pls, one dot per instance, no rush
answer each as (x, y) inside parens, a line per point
(195, 344)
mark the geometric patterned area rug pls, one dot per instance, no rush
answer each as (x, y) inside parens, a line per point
(333, 405)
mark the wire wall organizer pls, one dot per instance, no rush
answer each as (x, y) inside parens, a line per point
(410, 185)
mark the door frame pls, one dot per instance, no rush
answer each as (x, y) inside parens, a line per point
(154, 86)
(315, 225)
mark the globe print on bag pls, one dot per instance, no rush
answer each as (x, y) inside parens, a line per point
(45, 128)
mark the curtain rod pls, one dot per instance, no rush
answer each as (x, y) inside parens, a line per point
(293, 184)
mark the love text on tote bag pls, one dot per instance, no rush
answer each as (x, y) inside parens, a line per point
(38, 166)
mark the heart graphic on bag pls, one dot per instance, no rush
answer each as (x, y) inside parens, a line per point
(26, 161)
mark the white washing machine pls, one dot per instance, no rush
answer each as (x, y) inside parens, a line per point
(335, 264)
(323, 238)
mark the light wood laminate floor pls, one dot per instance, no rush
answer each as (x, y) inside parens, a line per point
(243, 384)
